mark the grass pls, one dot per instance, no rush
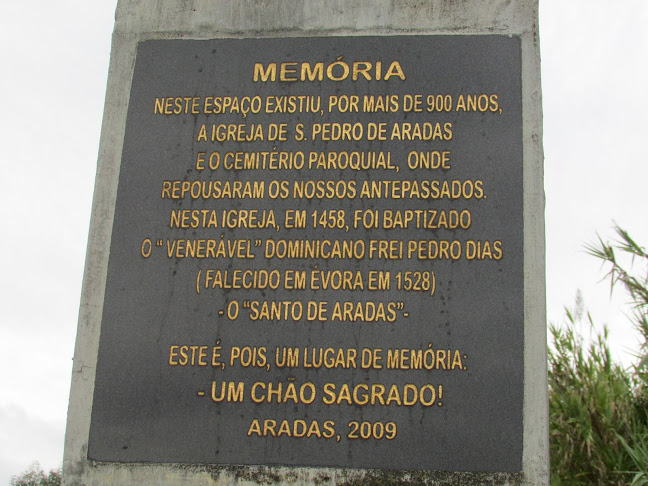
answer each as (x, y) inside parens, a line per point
(598, 411)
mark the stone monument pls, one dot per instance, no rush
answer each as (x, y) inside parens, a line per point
(316, 253)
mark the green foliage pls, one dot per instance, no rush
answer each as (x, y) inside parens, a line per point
(590, 405)
(639, 455)
(35, 476)
(598, 410)
(632, 273)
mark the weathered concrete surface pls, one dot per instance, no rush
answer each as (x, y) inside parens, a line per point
(138, 20)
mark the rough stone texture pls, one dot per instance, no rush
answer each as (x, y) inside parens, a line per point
(138, 20)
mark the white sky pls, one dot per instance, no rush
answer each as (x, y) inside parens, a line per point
(54, 59)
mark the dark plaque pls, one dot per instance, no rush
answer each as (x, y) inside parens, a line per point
(317, 256)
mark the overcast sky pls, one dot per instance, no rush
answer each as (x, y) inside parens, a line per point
(54, 58)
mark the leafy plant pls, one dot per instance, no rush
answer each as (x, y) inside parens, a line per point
(598, 410)
(590, 406)
(639, 455)
(628, 266)
(630, 269)
(35, 476)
